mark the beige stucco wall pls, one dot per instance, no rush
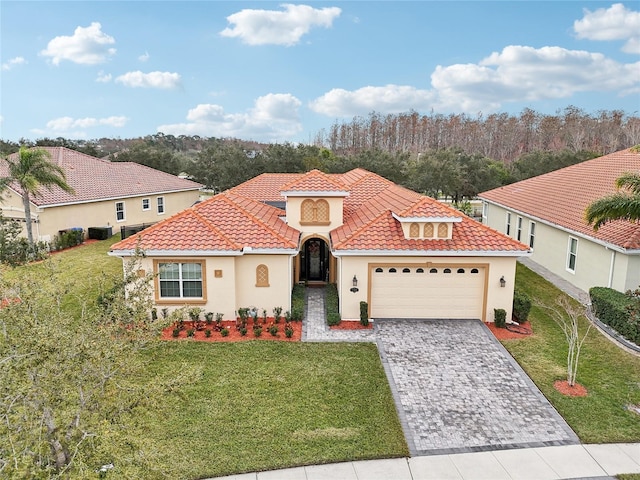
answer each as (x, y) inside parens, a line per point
(596, 265)
(496, 296)
(335, 214)
(97, 214)
(230, 283)
(277, 294)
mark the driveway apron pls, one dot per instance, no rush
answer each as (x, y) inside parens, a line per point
(458, 390)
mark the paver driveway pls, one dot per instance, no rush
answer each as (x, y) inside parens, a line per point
(458, 390)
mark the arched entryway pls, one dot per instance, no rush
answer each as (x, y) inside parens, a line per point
(314, 261)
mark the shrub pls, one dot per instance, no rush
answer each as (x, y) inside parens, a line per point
(207, 333)
(364, 313)
(175, 332)
(288, 330)
(257, 331)
(194, 313)
(191, 332)
(618, 310)
(273, 330)
(331, 303)
(243, 331)
(277, 312)
(500, 317)
(521, 306)
(224, 332)
(208, 318)
(154, 314)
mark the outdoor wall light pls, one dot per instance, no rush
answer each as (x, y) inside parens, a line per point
(503, 282)
(355, 288)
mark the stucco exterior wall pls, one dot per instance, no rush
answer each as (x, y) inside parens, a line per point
(277, 294)
(335, 214)
(496, 296)
(596, 265)
(97, 214)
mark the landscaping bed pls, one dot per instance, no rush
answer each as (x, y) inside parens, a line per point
(351, 325)
(191, 331)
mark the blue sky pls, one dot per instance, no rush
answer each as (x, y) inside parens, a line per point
(276, 72)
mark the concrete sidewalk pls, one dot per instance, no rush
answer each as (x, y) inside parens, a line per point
(544, 463)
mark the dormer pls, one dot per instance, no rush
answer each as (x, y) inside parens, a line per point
(314, 202)
(428, 220)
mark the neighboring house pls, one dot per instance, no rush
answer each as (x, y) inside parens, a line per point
(406, 255)
(105, 194)
(547, 212)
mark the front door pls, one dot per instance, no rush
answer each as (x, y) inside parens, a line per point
(315, 261)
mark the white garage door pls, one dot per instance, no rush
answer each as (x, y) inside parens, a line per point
(426, 292)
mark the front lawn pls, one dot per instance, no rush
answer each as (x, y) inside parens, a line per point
(611, 376)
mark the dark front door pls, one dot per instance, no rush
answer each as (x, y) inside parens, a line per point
(315, 261)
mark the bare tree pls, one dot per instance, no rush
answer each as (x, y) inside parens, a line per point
(567, 316)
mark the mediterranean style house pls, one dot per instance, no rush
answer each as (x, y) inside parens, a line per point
(547, 212)
(406, 255)
(105, 194)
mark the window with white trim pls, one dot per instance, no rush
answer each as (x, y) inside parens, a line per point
(120, 217)
(532, 233)
(146, 204)
(519, 229)
(160, 201)
(180, 280)
(572, 254)
(508, 225)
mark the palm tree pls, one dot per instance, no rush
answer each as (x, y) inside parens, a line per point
(31, 170)
(622, 205)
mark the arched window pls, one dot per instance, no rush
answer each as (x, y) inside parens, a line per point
(322, 211)
(419, 270)
(474, 270)
(461, 270)
(414, 230)
(262, 276)
(378, 270)
(307, 211)
(428, 230)
(446, 270)
(392, 270)
(433, 270)
(406, 270)
(443, 230)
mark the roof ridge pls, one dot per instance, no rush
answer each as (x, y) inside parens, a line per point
(316, 173)
(213, 228)
(358, 230)
(253, 216)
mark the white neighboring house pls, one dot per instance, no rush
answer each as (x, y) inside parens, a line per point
(548, 213)
(112, 194)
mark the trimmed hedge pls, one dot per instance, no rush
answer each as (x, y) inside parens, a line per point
(500, 317)
(521, 306)
(332, 305)
(618, 310)
(297, 303)
(364, 313)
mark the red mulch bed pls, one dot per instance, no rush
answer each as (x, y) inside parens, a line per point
(234, 333)
(564, 388)
(504, 334)
(351, 325)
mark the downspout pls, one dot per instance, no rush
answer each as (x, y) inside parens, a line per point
(611, 268)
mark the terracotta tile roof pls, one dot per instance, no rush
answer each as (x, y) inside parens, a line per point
(225, 222)
(238, 218)
(96, 179)
(315, 181)
(561, 197)
(385, 233)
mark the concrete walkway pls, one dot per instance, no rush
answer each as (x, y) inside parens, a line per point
(544, 463)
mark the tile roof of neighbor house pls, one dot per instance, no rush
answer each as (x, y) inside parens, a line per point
(561, 197)
(94, 179)
(239, 218)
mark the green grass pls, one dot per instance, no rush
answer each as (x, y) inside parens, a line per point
(266, 405)
(611, 376)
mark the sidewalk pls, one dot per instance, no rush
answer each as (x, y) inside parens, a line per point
(545, 463)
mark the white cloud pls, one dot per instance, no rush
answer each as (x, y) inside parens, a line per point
(517, 74)
(103, 77)
(138, 79)
(274, 117)
(614, 23)
(88, 46)
(387, 99)
(144, 57)
(73, 127)
(263, 27)
(12, 62)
